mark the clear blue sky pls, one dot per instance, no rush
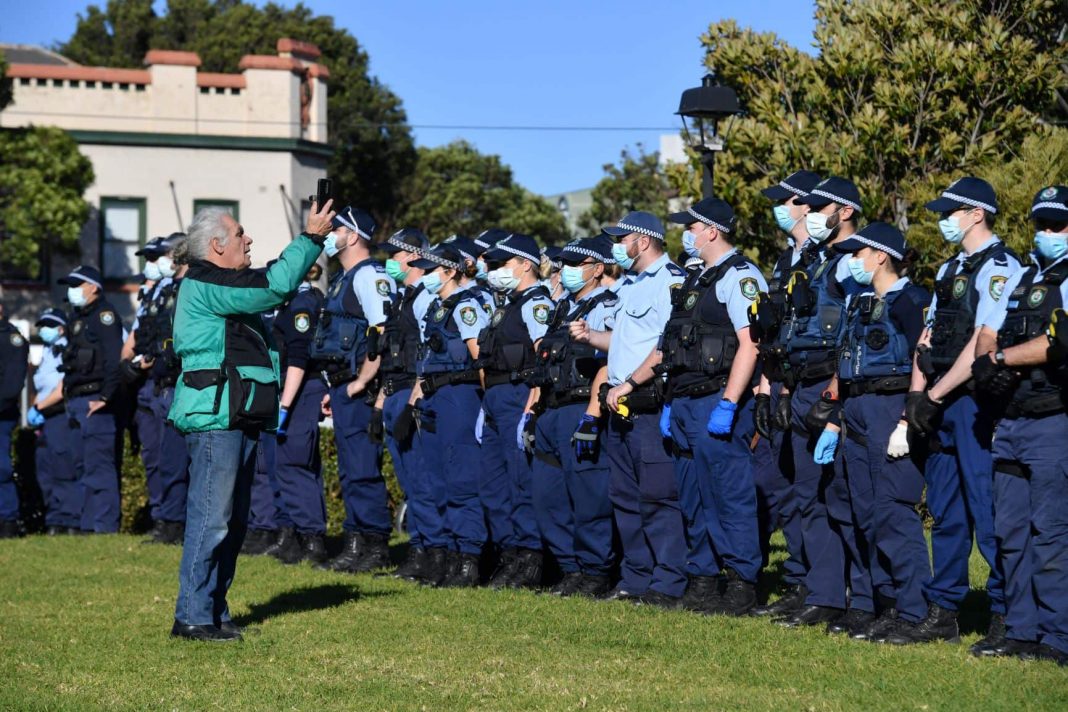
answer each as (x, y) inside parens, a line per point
(618, 63)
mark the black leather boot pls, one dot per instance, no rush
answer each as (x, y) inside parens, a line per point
(593, 585)
(351, 549)
(506, 567)
(811, 615)
(434, 569)
(880, 627)
(313, 548)
(701, 593)
(567, 585)
(528, 569)
(738, 599)
(375, 553)
(172, 533)
(257, 541)
(940, 624)
(286, 547)
(465, 574)
(412, 565)
(995, 637)
(854, 622)
(786, 605)
(153, 535)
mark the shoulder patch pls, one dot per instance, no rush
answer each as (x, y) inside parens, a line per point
(382, 286)
(468, 315)
(541, 313)
(302, 322)
(107, 318)
(17, 340)
(1001, 260)
(997, 287)
(676, 270)
(749, 288)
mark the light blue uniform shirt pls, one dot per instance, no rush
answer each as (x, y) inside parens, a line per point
(536, 312)
(373, 289)
(420, 306)
(48, 376)
(642, 311)
(996, 317)
(990, 283)
(469, 316)
(738, 289)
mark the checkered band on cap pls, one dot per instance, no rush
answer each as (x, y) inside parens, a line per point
(796, 191)
(1051, 205)
(837, 199)
(402, 245)
(438, 260)
(878, 246)
(78, 275)
(640, 230)
(53, 316)
(708, 221)
(482, 243)
(576, 250)
(511, 250)
(970, 201)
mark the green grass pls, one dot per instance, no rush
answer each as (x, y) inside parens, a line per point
(84, 625)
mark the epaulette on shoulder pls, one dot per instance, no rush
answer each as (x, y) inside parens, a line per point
(676, 270)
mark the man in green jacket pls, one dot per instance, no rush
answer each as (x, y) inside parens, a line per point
(226, 395)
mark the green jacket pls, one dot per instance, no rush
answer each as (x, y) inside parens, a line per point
(229, 378)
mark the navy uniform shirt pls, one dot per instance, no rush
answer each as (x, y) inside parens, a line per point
(294, 326)
(93, 349)
(14, 355)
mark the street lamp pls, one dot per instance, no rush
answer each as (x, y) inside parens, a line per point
(705, 106)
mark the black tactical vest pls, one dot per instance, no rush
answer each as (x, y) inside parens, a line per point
(565, 366)
(399, 345)
(505, 347)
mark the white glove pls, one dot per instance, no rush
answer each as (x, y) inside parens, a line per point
(479, 423)
(899, 442)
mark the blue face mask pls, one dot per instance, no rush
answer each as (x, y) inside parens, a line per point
(571, 278)
(689, 244)
(1051, 245)
(76, 297)
(432, 282)
(619, 254)
(856, 268)
(49, 334)
(782, 217)
(482, 269)
(951, 231)
(330, 245)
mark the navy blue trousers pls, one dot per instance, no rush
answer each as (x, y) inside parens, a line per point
(571, 498)
(1032, 528)
(822, 497)
(9, 496)
(56, 473)
(173, 462)
(298, 465)
(149, 432)
(94, 462)
(504, 485)
(884, 495)
(961, 501)
(645, 502)
(454, 513)
(424, 514)
(716, 489)
(776, 504)
(263, 509)
(359, 466)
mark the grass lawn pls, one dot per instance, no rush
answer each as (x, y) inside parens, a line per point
(84, 624)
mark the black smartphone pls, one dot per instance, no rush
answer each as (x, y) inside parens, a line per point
(324, 191)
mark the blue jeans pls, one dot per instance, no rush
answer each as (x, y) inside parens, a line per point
(220, 484)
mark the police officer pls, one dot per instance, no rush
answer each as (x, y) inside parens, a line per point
(811, 331)
(447, 398)
(265, 521)
(884, 322)
(959, 472)
(777, 506)
(570, 486)
(155, 343)
(55, 467)
(399, 350)
(355, 302)
(90, 382)
(643, 490)
(1021, 355)
(710, 361)
(13, 363)
(506, 356)
(298, 473)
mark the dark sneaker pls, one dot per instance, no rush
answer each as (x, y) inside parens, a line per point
(204, 633)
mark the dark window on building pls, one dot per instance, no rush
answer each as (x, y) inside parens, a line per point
(122, 233)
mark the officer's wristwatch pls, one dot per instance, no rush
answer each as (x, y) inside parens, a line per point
(999, 357)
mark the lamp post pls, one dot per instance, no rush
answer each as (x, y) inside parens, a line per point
(705, 106)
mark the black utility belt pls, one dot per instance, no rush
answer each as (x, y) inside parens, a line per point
(54, 409)
(499, 378)
(643, 401)
(337, 378)
(395, 384)
(1041, 407)
(884, 385)
(435, 381)
(82, 389)
(714, 384)
(807, 373)
(559, 399)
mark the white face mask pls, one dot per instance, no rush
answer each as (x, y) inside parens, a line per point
(502, 279)
(166, 266)
(76, 297)
(152, 271)
(816, 224)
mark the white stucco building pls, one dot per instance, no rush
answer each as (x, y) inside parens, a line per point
(169, 139)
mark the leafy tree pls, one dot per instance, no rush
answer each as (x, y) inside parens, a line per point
(373, 148)
(5, 83)
(901, 97)
(456, 189)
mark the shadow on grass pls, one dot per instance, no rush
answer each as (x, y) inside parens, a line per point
(308, 598)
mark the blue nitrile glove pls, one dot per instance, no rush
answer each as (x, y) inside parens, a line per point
(585, 437)
(520, 441)
(480, 422)
(721, 420)
(34, 417)
(825, 447)
(665, 421)
(283, 421)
